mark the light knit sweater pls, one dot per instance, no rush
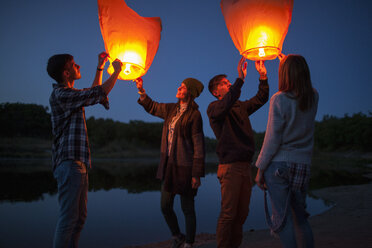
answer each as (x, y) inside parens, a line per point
(289, 133)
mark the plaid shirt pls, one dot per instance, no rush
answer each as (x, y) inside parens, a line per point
(299, 176)
(68, 122)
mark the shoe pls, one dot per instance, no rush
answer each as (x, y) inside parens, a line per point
(187, 245)
(178, 240)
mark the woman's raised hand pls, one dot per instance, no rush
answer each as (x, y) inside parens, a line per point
(139, 84)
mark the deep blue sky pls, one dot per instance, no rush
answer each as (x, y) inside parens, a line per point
(334, 36)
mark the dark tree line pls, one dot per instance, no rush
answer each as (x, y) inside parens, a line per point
(24, 120)
(346, 133)
(31, 120)
(339, 133)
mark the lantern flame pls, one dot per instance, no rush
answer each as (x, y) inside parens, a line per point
(257, 27)
(263, 43)
(131, 38)
(261, 52)
(127, 69)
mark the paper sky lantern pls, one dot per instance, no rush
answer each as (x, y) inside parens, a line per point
(258, 27)
(129, 37)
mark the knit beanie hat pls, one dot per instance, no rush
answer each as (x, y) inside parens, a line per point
(194, 86)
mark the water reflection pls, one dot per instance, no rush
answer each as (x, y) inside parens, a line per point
(29, 180)
(123, 204)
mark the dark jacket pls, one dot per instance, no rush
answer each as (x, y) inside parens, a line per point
(229, 119)
(187, 156)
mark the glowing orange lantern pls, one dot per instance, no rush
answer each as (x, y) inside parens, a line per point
(129, 37)
(258, 27)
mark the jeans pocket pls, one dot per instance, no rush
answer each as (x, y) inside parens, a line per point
(61, 174)
(77, 174)
(282, 173)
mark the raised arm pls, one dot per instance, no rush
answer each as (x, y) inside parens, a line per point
(141, 90)
(262, 95)
(102, 59)
(160, 110)
(110, 82)
(219, 109)
(242, 68)
(260, 67)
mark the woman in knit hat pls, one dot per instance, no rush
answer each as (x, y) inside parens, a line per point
(182, 155)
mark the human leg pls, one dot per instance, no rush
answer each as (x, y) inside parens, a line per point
(230, 192)
(167, 201)
(277, 182)
(188, 208)
(301, 219)
(82, 213)
(72, 180)
(243, 206)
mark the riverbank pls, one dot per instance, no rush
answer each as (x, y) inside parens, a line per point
(347, 224)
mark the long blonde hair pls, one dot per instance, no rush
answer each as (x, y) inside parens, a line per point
(294, 77)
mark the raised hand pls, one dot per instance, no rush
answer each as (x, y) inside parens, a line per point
(102, 59)
(117, 65)
(242, 68)
(139, 84)
(260, 67)
(281, 56)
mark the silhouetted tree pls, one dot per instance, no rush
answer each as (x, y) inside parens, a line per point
(19, 119)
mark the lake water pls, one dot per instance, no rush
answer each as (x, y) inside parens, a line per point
(123, 205)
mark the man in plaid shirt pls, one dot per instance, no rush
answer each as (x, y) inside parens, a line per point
(71, 154)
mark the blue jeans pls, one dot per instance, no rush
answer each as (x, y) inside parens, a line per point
(288, 207)
(72, 180)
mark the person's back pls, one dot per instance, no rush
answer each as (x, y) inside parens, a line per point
(297, 135)
(285, 157)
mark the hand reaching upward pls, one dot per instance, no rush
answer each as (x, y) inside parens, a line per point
(242, 68)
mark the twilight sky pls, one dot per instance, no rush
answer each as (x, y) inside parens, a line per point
(334, 36)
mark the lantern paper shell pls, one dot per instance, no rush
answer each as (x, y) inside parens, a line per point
(258, 27)
(129, 37)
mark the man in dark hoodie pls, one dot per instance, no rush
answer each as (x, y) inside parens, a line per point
(229, 119)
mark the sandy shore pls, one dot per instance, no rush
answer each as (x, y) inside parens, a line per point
(347, 224)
